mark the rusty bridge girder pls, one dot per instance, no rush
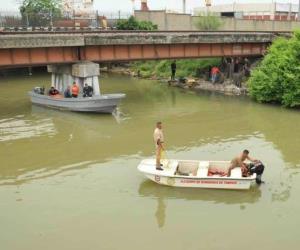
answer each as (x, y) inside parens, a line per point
(170, 51)
(20, 57)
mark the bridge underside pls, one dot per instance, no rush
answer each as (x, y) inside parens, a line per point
(19, 57)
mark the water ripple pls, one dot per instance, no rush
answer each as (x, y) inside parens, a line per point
(43, 173)
(20, 128)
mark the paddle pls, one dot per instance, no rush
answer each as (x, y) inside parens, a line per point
(164, 156)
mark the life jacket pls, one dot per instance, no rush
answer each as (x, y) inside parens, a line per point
(75, 90)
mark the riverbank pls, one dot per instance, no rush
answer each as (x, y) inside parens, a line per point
(193, 76)
(226, 88)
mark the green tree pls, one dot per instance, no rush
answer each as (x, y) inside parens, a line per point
(277, 78)
(208, 22)
(40, 12)
(132, 24)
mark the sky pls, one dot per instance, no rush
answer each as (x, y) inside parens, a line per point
(126, 5)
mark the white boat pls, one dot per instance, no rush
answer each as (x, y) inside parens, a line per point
(195, 174)
(83, 74)
(96, 104)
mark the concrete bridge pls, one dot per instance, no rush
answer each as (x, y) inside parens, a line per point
(48, 48)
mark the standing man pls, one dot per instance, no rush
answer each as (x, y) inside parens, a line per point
(214, 74)
(173, 70)
(158, 140)
(236, 73)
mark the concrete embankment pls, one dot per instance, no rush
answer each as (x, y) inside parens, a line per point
(226, 88)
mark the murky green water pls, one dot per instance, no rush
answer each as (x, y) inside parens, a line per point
(69, 181)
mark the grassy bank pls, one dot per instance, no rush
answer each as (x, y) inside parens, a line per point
(185, 67)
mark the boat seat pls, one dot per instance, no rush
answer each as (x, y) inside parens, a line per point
(203, 169)
(187, 168)
(202, 172)
(169, 167)
(236, 173)
(203, 164)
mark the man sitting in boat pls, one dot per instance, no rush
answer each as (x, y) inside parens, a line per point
(159, 140)
(239, 162)
(75, 90)
(53, 91)
(87, 91)
(67, 92)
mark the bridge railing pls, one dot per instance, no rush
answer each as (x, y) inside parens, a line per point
(11, 20)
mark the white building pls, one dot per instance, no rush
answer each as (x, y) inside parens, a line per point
(78, 5)
(264, 11)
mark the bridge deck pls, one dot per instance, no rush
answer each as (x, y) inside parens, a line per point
(52, 48)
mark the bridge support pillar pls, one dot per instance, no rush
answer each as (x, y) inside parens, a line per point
(82, 73)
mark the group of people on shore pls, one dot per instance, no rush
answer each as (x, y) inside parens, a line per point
(230, 68)
(73, 91)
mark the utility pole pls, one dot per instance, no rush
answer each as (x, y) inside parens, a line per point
(184, 6)
(299, 11)
(133, 6)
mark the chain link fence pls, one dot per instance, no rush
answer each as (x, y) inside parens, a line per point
(67, 20)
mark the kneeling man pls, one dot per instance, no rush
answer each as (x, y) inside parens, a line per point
(239, 162)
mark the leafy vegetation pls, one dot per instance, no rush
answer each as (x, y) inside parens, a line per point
(40, 12)
(185, 67)
(208, 22)
(277, 78)
(132, 24)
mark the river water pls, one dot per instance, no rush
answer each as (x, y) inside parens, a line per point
(69, 181)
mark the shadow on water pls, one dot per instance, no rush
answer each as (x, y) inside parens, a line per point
(162, 194)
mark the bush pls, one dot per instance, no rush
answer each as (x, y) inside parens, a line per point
(132, 24)
(277, 78)
(185, 67)
(208, 22)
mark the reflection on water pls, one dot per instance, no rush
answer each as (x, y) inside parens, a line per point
(20, 128)
(42, 173)
(162, 194)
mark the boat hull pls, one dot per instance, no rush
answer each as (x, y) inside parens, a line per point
(97, 104)
(170, 177)
(214, 183)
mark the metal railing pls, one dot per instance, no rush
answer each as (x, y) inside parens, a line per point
(67, 20)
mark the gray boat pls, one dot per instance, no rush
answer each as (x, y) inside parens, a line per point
(96, 104)
(83, 74)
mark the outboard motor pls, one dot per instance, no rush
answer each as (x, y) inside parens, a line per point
(39, 90)
(257, 168)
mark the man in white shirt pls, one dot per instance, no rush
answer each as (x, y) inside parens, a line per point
(158, 140)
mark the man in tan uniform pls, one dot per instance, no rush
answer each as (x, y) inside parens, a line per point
(239, 162)
(158, 137)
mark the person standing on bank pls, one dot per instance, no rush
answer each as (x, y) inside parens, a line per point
(236, 73)
(158, 140)
(173, 70)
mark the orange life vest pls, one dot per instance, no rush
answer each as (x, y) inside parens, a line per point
(75, 90)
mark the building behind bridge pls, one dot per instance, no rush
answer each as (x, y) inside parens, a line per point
(255, 11)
